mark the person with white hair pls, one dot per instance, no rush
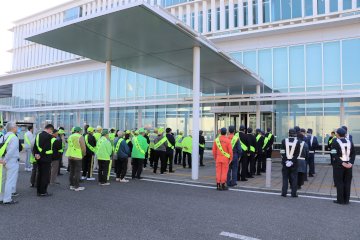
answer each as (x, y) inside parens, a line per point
(10, 166)
(122, 151)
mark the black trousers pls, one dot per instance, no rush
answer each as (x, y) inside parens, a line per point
(201, 153)
(43, 176)
(86, 165)
(170, 158)
(289, 174)
(243, 168)
(342, 179)
(300, 178)
(259, 160)
(61, 162)
(33, 173)
(121, 167)
(75, 169)
(269, 153)
(263, 161)
(152, 157)
(146, 159)
(188, 159)
(137, 167)
(178, 152)
(103, 170)
(162, 156)
(251, 163)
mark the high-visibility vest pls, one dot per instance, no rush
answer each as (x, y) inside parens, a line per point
(39, 148)
(3, 148)
(202, 145)
(269, 136)
(137, 145)
(265, 142)
(243, 146)
(332, 140)
(234, 140)
(156, 146)
(252, 149)
(258, 137)
(97, 136)
(177, 144)
(217, 140)
(169, 144)
(27, 139)
(62, 147)
(93, 149)
(118, 145)
(152, 138)
(111, 138)
(52, 143)
(74, 148)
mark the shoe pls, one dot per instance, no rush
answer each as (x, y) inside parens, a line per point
(124, 180)
(117, 179)
(1, 202)
(330, 163)
(100, 183)
(79, 189)
(9, 203)
(171, 171)
(263, 170)
(244, 180)
(298, 187)
(202, 165)
(133, 178)
(32, 185)
(60, 174)
(235, 184)
(144, 169)
(283, 195)
(105, 184)
(163, 173)
(338, 202)
(72, 187)
(223, 187)
(139, 178)
(294, 195)
(45, 195)
(189, 167)
(251, 177)
(306, 180)
(310, 175)
(258, 174)
(90, 179)
(184, 167)
(218, 186)
(15, 194)
(56, 183)
(83, 178)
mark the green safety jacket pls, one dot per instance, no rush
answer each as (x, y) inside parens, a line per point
(140, 147)
(111, 138)
(177, 143)
(97, 136)
(187, 142)
(104, 149)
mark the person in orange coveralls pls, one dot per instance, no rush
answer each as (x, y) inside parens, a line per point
(223, 155)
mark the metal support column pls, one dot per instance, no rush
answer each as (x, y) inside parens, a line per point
(258, 108)
(107, 95)
(342, 112)
(196, 112)
(139, 117)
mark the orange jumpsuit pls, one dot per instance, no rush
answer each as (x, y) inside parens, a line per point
(222, 162)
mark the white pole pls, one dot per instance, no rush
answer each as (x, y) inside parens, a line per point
(196, 112)
(107, 95)
(268, 172)
(258, 108)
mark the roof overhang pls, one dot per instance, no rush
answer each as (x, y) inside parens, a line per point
(150, 41)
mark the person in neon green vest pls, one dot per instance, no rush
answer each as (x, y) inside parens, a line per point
(178, 147)
(160, 144)
(104, 150)
(187, 150)
(140, 146)
(56, 145)
(201, 147)
(28, 137)
(97, 136)
(122, 152)
(90, 143)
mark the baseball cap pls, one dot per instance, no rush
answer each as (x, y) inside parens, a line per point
(242, 128)
(98, 128)
(223, 130)
(292, 131)
(127, 132)
(61, 131)
(156, 129)
(90, 129)
(249, 130)
(160, 130)
(341, 131)
(137, 132)
(104, 132)
(77, 129)
(141, 130)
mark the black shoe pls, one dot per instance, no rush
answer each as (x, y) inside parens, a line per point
(218, 187)
(171, 171)
(235, 184)
(189, 167)
(139, 178)
(1, 202)
(310, 175)
(60, 174)
(306, 180)
(32, 185)
(298, 187)
(338, 202)
(81, 180)
(251, 177)
(202, 165)
(184, 167)
(9, 203)
(44, 195)
(294, 195)
(15, 194)
(283, 195)
(263, 170)
(223, 187)
(244, 180)
(258, 174)
(330, 163)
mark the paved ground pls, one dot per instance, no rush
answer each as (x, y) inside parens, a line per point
(144, 209)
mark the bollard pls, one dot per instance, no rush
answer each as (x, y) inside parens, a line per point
(268, 172)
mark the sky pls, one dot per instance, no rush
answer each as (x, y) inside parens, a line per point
(14, 10)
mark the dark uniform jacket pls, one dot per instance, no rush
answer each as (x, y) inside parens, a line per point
(244, 138)
(328, 147)
(296, 152)
(252, 140)
(270, 141)
(57, 145)
(45, 144)
(201, 141)
(337, 161)
(92, 142)
(171, 139)
(260, 149)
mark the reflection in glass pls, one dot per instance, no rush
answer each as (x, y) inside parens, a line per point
(351, 61)
(313, 65)
(265, 65)
(296, 67)
(332, 73)
(280, 67)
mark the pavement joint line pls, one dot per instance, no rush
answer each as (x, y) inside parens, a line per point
(240, 190)
(237, 236)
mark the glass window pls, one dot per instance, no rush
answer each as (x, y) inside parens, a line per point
(200, 21)
(332, 75)
(74, 88)
(33, 93)
(88, 86)
(346, 4)
(61, 90)
(113, 83)
(27, 94)
(121, 85)
(265, 66)
(96, 86)
(184, 18)
(333, 5)
(218, 18)
(358, 3)
(22, 94)
(150, 86)
(43, 92)
(266, 11)
(171, 114)
(314, 119)
(160, 116)
(160, 87)
(250, 60)
(321, 6)
(296, 67)
(285, 9)
(149, 117)
(351, 61)
(297, 113)
(192, 21)
(171, 89)
(237, 56)
(130, 119)
(331, 116)
(130, 85)
(296, 8)
(281, 120)
(245, 14)
(313, 65)
(280, 61)
(209, 20)
(82, 87)
(255, 12)
(275, 10)
(55, 92)
(236, 24)
(226, 17)
(68, 88)
(352, 117)
(140, 84)
(102, 86)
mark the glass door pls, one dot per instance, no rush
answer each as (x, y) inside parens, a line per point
(235, 121)
(252, 121)
(223, 121)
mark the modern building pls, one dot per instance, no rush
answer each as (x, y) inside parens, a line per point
(306, 51)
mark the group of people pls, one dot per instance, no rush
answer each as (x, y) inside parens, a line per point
(242, 155)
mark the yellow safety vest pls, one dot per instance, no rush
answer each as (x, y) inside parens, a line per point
(258, 137)
(118, 145)
(234, 140)
(27, 139)
(202, 145)
(137, 145)
(39, 148)
(52, 142)
(265, 142)
(221, 149)
(156, 146)
(93, 149)
(74, 148)
(3, 148)
(243, 146)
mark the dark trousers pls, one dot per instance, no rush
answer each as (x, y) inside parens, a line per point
(201, 153)
(331, 158)
(311, 163)
(170, 158)
(33, 173)
(75, 169)
(43, 176)
(137, 167)
(300, 180)
(259, 160)
(232, 173)
(61, 162)
(86, 165)
(306, 168)
(146, 159)
(121, 167)
(152, 157)
(243, 168)
(178, 152)
(269, 153)
(251, 162)
(292, 173)
(103, 170)
(342, 178)
(263, 161)
(162, 156)
(188, 159)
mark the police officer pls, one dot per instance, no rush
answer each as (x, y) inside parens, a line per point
(201, 147)
(270, 142)
(347, 136)
(90, 143)
(147, 155)
(236, 147)
(261, 153)
(245, 146)
(160, 144)
(304, 153)
(178, 147)
(297, 129)
(329, 146)
(170, 149)
(313, 144)
(290, 150)
(344, 156)
(252, 156)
